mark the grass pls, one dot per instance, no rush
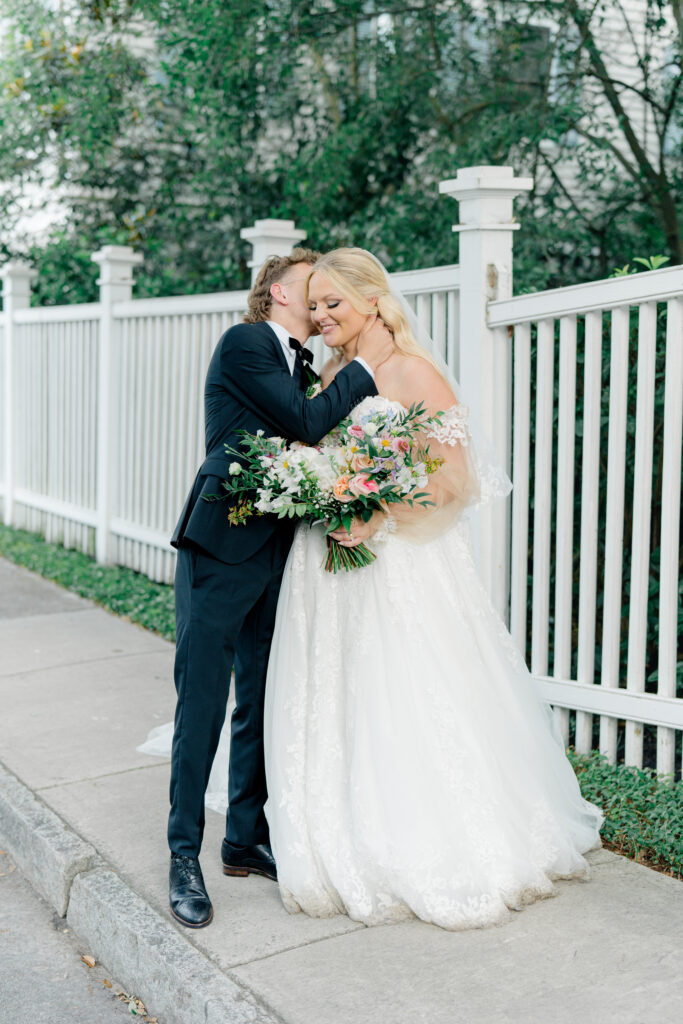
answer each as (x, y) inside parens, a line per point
(643, 810)
(122, 591)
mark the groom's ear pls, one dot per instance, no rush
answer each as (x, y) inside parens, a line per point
(277, 294)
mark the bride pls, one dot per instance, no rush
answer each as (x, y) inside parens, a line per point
(411, 768)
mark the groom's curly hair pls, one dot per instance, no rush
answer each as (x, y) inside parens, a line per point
(274, 269)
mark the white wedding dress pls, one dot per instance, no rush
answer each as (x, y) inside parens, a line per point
(412, 769)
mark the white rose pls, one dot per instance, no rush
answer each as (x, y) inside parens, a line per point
(234, 469)
(371, 429)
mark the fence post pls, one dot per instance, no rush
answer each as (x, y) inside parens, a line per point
(270, 238)
(116, 264)
(485, 195)
(16, 294)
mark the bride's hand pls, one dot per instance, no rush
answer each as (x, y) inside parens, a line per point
(359, 532)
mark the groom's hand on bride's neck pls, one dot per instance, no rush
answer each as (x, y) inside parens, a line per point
(375, 343)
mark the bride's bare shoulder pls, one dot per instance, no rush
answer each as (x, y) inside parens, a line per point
(418, 380)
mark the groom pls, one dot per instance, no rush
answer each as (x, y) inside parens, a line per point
(228, 577)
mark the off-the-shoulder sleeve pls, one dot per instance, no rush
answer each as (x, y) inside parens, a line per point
(452, 428)
(452, 487)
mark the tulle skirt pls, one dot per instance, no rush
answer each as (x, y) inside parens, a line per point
(412, 768)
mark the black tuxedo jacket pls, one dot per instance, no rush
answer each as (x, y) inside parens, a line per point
(249, 387)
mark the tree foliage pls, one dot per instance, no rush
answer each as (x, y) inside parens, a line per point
(171, 124)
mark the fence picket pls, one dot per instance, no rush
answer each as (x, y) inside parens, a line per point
(439, 323)
(640, 540)
(614, 526)
(520, 490)
(540, 599)
(564, 526)
(590, 467)
(671, 506)
(452, 344)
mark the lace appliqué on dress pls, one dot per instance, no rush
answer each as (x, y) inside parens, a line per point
(453, 428)
(385, 531)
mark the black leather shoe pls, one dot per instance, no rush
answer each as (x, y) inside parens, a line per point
(189, 900)
(248, 860)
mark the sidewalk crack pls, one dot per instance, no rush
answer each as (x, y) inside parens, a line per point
(304, 945)
(72, 664)
(104, 775)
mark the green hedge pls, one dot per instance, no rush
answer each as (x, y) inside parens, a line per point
(643, 811)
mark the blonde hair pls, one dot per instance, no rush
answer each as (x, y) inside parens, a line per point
(259, 300)
(360, 278)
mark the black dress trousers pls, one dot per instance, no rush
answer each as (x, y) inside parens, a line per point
(225, 616)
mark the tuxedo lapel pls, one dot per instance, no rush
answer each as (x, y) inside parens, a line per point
(303, 373)
(278, 347)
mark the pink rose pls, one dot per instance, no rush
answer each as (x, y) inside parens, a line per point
(400, 444)
(356, 431)
(361, 461)
(362, 484)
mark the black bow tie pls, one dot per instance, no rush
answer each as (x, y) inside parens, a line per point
(301, 352)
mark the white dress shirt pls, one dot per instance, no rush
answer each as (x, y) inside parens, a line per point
(283, 337)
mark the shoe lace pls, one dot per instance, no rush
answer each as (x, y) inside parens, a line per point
(188, 868)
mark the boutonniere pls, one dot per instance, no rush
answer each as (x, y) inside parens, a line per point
(314, 389)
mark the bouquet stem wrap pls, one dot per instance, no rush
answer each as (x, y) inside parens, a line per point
(339, 557)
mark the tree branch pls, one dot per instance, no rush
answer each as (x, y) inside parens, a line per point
(565, 191)
(601, 140)
(644, 94)
(612, 97)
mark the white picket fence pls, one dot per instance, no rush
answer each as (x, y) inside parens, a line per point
(570, 325)
(102, 432)
(155, 441)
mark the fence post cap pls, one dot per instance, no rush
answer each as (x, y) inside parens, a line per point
(270, 237)
(271, 227)
(16, 270)
(117, 254)
(485, 179)
(116, 264)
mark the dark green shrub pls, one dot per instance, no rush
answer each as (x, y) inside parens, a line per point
(643, 810)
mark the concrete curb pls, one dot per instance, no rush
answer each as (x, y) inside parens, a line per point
(46, 851)
(145, 952)
(153, 959)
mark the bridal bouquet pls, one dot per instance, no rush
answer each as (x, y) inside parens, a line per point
(364, 465)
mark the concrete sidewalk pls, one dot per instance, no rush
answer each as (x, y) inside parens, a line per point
(84, 817)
